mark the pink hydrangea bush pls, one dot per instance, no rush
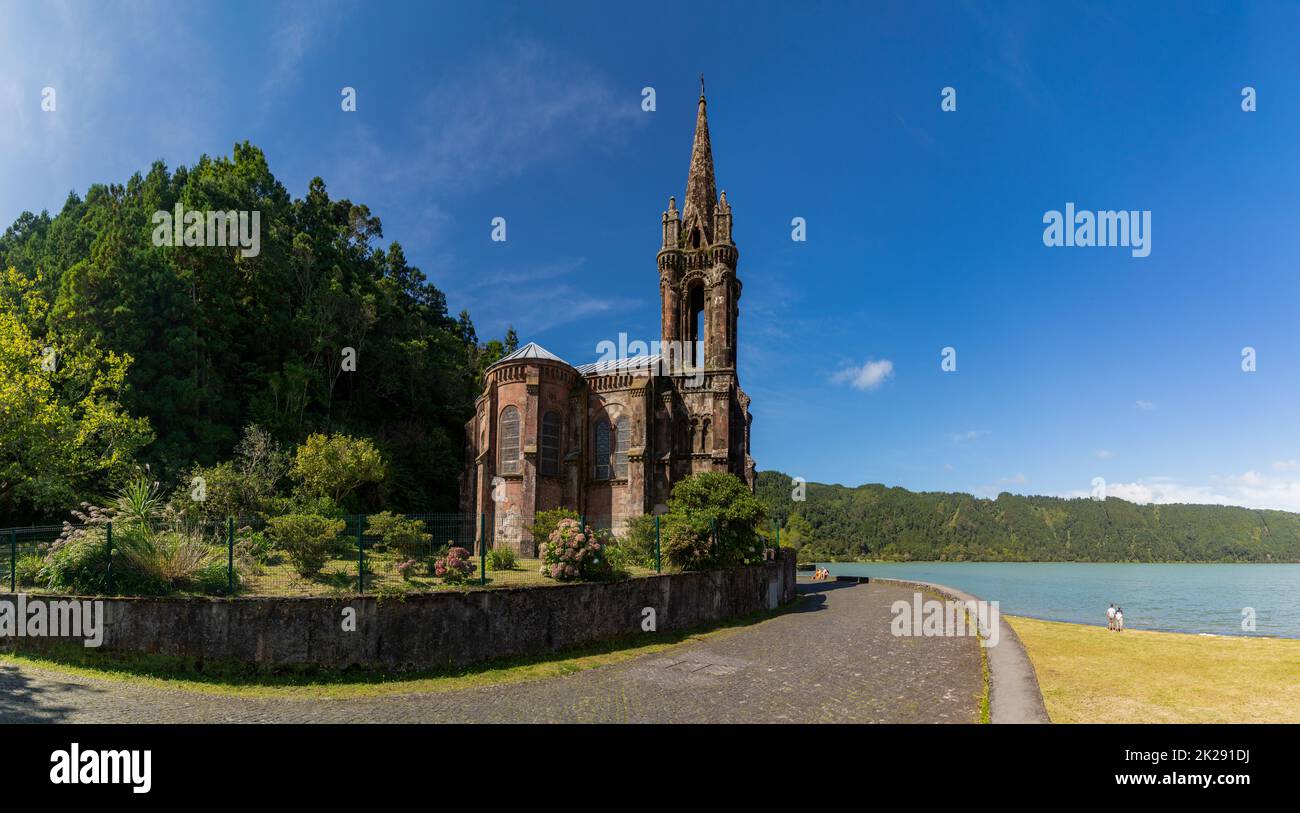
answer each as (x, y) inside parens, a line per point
(407, 569)
(455, 567)
(573, 552)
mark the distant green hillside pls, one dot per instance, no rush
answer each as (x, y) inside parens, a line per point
(875, 522)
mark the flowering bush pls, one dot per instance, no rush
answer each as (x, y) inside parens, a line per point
(407, 569)
(574, 552)
(455, 567)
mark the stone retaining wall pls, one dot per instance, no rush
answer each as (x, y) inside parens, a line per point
(428, 629)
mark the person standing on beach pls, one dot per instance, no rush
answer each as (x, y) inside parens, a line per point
(1119, 619)
(1110, 617)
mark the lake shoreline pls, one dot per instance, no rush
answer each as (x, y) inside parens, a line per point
(820, 563)
(1194, 598)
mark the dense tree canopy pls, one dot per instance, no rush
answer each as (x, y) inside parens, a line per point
(875, 522)
(62, 427)
(219, 341)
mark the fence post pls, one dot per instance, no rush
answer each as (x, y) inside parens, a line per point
(110, 557)
(658, 564)
(482, 550)
(361, 558)
(13, 560)
(230, 555)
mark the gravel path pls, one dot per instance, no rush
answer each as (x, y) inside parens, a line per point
(832, 660)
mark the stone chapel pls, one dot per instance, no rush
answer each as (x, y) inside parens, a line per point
(609, 439)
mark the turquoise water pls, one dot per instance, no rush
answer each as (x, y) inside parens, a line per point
(1176, 597)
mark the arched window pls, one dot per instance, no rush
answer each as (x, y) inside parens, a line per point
(621, 442)
(551, 443)
(696, 326)
(508, 441)
(603, 461)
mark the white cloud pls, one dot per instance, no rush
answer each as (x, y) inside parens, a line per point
(1248, 490)
(1146, 405)
(535, 299)
(992, 490)
(1104, 454)
(969, 435)
(1286, 465)
(869, 376)
(299, 29)
(521, 105)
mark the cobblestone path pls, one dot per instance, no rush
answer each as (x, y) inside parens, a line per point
(831, 660)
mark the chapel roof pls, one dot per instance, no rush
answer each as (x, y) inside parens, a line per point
(532, 350)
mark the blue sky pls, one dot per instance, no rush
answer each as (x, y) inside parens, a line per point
(924, 227)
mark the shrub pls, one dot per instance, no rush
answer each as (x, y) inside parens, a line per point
(27, 570)
(638, 544)
(139, 502)
(688, 548)
(454, 568)
(80, 565)
(334, 466)
(256, 545)
(241, 486)
(544, 522)
(388, 592)
(405, 536)
(702, 503)
(573, 552)
(307, 540)
(213, 578)
(168, 559)
(501, 559)
(407, 569)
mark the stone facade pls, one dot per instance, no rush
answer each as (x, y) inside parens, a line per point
(610, 439)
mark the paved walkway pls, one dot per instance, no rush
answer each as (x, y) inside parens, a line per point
(832, 660)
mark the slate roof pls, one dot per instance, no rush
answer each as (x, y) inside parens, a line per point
(610, 366)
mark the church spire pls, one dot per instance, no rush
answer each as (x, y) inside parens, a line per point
(701, 190)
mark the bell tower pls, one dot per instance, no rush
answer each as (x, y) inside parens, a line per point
(698, 287)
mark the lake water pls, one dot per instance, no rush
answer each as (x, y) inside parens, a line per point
(1178, 597)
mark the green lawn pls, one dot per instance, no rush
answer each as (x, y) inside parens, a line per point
(340, 576)
(1091, 675)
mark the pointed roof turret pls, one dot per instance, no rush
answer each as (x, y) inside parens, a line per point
(701, 190)
(532, 350)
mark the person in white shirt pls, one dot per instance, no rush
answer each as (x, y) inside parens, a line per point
(1119, 619)
(1110, 617)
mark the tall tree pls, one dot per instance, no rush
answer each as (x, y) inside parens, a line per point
(64, 434)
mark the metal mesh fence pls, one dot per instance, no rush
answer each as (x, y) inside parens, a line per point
(293, 555)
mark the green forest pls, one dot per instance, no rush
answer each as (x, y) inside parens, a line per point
(835, 522)
(119, 357)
